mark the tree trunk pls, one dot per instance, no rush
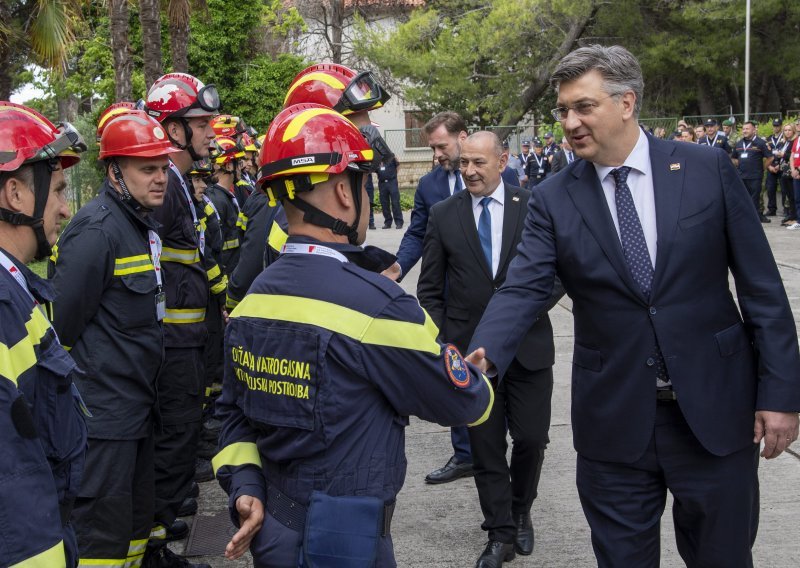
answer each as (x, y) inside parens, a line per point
(179, 34)
(337, 28)
(5, 55)
(150, 18)
(541, 82)
(704, 99)
(120, 48)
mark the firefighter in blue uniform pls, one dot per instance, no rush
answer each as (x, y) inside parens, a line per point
(108, 309)
(184, 106)
(43, 440)
(325, 360)
(714, 137)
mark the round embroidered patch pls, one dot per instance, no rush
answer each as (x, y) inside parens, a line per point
(456, 367)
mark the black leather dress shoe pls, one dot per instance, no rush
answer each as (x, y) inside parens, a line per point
(523, 542)
(177, 531)
(495, 554)
(188, 507)
(452, 470)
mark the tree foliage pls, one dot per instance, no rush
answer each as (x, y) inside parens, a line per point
(490, 60)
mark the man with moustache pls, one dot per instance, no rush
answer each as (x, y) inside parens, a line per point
(471, 239)
(108, 312)
(674, 385)
(446, 131)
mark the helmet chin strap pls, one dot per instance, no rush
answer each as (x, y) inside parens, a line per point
(41, 192)
(187, 131)
(315, 216)
(126, 195)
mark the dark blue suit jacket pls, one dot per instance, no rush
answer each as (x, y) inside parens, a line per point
(432, 188)
(723, 364)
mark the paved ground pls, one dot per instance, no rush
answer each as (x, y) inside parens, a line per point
(439, 526)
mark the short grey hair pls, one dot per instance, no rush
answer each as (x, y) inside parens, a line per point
(484, 134)
(620, 70)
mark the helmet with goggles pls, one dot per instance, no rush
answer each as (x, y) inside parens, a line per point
(225, 149)
(304, 146)
(177, 95)
(29, 139)
(225, 125)
(337, 87)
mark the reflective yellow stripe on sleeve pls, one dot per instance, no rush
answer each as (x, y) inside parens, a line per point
(230, 303)
(181, 256)
(51, 558)
(20, 357)
(209, 210)
(132, 265)
(54, 254)
(136, 551)
(239, 453)
(277, 237)
(213, 272)
(230, 244)
(220, 286)
(241, 221)
(485, 416)
(189, 315)
(352, 323)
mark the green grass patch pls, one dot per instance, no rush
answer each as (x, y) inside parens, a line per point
(406, 199)
(39, 267)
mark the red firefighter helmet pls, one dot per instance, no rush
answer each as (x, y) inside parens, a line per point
(176, 95)
(110, 112)
(134, 134)
(225, 149)
(225, 125)
(336, 87)
(26, 136)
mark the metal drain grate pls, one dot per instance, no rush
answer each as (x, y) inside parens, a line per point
(210, 534)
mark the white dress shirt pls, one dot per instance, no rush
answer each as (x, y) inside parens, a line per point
(640, 182)
(496, 211)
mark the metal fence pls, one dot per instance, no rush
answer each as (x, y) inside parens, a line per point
(757, 117)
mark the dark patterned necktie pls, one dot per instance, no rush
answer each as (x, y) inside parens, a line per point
(631, 233)
(635, 248)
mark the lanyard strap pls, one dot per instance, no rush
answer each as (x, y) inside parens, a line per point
(18, 276)
(190, 203)
(207, 201)
(539, 161)
(155, 254)
(303, 248)
(746, 146)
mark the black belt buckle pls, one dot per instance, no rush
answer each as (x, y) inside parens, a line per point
(666, 395)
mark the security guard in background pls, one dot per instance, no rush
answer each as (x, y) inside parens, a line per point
(538, 166)
(325, 359)
(184, 106)
(108, 309)
(775, 143)
(714, 137)
(751, 157)
(43, 440)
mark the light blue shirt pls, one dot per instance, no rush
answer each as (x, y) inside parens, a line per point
(640, 182)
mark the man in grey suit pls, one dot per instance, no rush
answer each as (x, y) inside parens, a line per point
(469, 243)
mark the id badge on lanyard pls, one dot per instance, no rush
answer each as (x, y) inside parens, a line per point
(155, 253)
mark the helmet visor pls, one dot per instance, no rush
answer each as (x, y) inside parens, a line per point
(208, 98)
(68, 140)
(363, 93)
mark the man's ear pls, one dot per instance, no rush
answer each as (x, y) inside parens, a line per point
(175, 130)
(11, 196)
(341, 190)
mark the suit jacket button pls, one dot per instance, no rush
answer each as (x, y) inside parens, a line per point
(652, 311)
(495, 288)
(650, 361)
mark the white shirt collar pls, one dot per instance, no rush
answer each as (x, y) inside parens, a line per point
(638, 159)
(499, 195)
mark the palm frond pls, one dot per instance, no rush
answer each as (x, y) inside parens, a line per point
(51, 32)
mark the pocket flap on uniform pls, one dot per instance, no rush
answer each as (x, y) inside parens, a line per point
(586, 358)
(732, 340)
(141, 283)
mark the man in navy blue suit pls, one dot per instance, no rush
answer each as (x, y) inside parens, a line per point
(445, 131)
(673, 386)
